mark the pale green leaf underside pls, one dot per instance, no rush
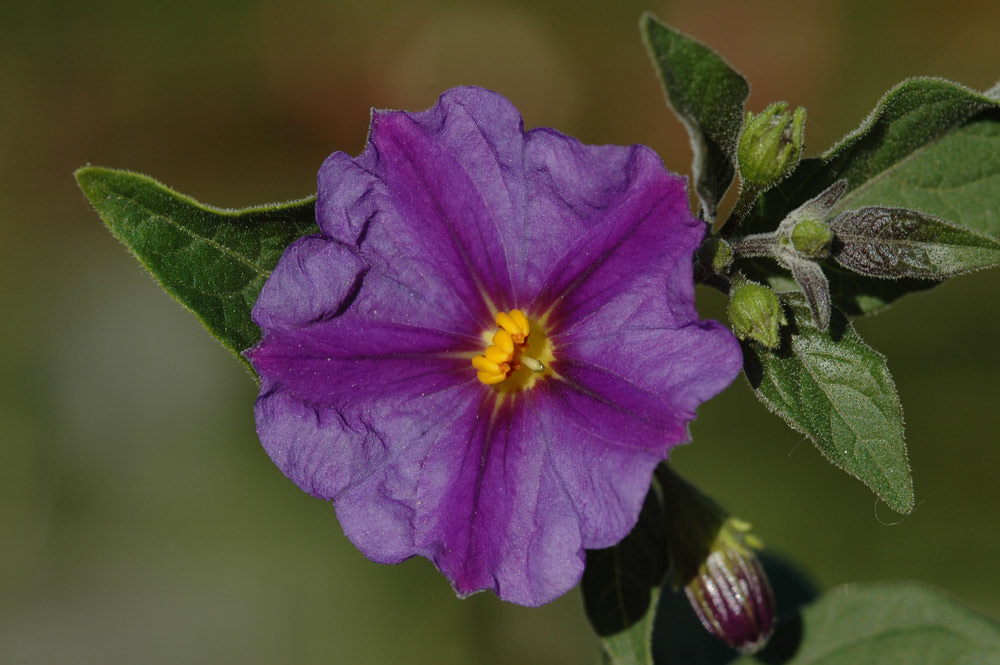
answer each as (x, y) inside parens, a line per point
(213, 261)
(885, 623)
(956, 178)
(837, 390)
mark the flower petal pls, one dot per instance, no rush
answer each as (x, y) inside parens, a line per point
(428, 203)
(313, 280)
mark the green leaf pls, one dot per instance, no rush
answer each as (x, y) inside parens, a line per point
(956, 178)
(836, 390)
(708, 96)
(897, 242)
(883, 623)
(930, 145)
(213, 261)
(621, 586)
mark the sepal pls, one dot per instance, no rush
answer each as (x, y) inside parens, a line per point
(810, 278)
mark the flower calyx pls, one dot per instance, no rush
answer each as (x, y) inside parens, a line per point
(811, 239)
(712, 262)
(769, 149)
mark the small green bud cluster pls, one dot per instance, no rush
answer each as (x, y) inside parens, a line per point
(771, 145)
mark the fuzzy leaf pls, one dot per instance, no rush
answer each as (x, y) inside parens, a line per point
(930, 145)
(883, 623)
(621, 586)
(896, 242)
(836, 390)
(213, 261)
(708, 96)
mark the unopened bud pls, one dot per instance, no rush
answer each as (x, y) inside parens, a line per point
(811, 239)
(771, 145)
(715, 255)
(756, 313)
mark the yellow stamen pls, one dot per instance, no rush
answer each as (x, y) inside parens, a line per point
(504, 320)
(490, 379)
(496, 354)
(521, 320)
(486, 365)
(509, 352)
(504, 341)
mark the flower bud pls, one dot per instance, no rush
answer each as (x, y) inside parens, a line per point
(715, 255)
(756, 313)
(712, 559)
(811, 239)
(771, 145)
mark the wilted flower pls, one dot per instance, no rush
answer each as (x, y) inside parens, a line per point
(490, 345)
(712, 559)
(731, 594)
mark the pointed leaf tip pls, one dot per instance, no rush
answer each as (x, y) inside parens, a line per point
(212, 261)
(837, 390)
(708, 97)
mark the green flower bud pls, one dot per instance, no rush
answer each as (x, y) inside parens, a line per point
(715, 255)
(756, 313)
(771, 145)
(811, 239)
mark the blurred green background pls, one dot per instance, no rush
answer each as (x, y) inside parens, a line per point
(141, 521)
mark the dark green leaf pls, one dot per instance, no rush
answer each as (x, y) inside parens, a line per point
(621, 586)
(836, 390)
(708, 96)
(213, 261)
(930, 145)
(896, 242)
(883, 623)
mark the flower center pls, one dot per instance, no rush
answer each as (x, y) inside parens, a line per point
(516, 356)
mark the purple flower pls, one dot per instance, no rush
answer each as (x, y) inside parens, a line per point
(502, 469)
